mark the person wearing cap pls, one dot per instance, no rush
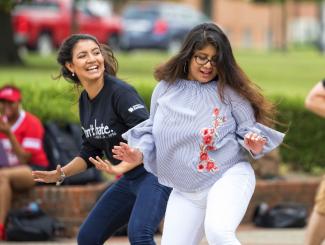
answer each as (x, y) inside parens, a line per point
(315, 232)
(21, 149)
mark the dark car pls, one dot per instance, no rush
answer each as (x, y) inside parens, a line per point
(157, 25)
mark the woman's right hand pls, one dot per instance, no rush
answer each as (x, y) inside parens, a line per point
(47, 176)
(128, 154)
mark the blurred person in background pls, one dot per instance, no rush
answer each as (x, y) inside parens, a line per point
(315, 233)
(108, 107)
(21, 149)
(205, 117)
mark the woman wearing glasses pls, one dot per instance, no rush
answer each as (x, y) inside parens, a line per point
(205, 116)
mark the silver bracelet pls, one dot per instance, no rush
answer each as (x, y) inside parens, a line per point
(61, 178)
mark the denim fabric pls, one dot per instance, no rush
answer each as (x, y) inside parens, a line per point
(140, 202)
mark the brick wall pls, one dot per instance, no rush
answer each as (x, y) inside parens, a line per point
(71, 204)
(275, 191)
(261, 25)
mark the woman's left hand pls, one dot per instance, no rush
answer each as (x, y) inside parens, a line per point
(106, 166)
(254, 142)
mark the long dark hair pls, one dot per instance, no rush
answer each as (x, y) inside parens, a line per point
(65, 55)
(229, 72)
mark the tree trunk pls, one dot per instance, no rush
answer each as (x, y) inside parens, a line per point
(322, 26)
(8, 49)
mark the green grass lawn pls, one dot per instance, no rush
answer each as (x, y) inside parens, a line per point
(290, 74)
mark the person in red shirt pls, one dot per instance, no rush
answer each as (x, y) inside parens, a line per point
(21, 149)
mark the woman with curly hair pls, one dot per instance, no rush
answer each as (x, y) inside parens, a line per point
(108, 107)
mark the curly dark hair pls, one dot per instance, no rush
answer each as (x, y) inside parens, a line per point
(65, 56)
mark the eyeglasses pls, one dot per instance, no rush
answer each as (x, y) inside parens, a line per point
(200, 60)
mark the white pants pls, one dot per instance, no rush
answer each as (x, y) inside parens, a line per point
(215, 212)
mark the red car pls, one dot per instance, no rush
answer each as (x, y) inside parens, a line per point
(44, 24)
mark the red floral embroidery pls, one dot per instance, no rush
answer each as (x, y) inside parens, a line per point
(207, 140)
(208, 137)
(204, 156)
(211, 166)
(211, 148)
(216, 111)
(200, 167)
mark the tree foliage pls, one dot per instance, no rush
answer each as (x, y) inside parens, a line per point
(6, 5)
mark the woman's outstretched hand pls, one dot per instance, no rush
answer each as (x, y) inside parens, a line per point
(106, 166)
(126, 153)
(254, 142)
(47, 176)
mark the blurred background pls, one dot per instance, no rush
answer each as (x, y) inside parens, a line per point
(41, 25)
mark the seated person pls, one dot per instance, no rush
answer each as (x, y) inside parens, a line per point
(21, 149)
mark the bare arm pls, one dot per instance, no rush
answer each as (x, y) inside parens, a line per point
(315, 100)
(77, 165)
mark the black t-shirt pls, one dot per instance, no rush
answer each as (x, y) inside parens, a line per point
(117, 108)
